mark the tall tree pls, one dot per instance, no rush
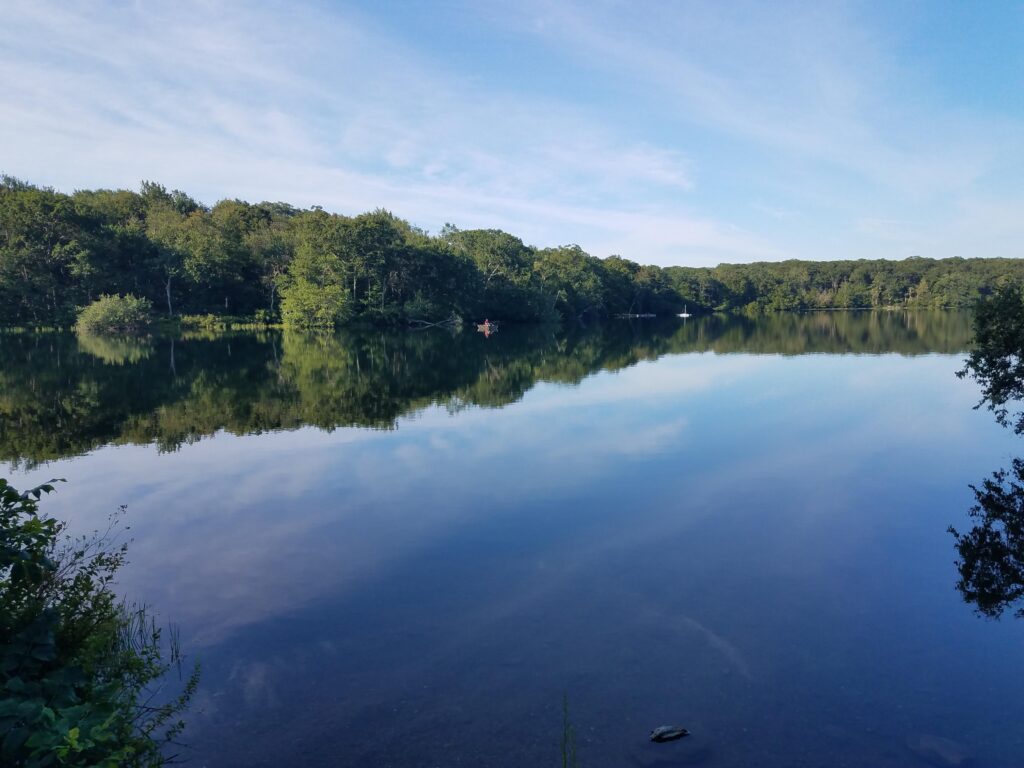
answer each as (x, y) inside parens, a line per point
(313, 290)
(166, 229)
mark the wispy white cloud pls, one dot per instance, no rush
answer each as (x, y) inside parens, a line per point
(828, 111)
(310, 107)
(666, 134)
(807, 80)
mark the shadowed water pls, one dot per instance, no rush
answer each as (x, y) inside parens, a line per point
(401, 549)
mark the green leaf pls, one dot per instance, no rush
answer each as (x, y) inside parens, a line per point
(30, 710)
(14, 740)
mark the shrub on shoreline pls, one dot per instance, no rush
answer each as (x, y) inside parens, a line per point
(115, 314)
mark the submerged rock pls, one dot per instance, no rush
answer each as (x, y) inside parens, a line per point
(668, 733)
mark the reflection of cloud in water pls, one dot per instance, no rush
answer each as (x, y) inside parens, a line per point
(240, 541)
(684, 374)
(651, 440)
(234, 531)
(684, 626)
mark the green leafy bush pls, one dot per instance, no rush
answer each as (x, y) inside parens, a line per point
(260, 319)
(115, 314)
(209, 322)
(305, 304)
(77, 667)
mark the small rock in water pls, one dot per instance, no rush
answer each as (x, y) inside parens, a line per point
(939, 751)
(668, 733)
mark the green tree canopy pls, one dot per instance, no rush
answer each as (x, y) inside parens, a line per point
(60, 252)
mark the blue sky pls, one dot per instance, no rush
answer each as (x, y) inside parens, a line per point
(670, 133)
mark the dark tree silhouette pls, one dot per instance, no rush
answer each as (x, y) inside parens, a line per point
(991, 563)
(997, 360)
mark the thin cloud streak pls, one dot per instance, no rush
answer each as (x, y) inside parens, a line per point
(227, 113)
(809, 83)
(697, 123)
(862, 131)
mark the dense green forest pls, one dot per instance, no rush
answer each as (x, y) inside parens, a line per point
(63, 394)
(274, 262)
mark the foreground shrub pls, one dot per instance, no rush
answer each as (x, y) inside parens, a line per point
(78, 669)
(115, 314)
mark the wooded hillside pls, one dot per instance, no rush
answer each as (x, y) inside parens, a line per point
(272, 261)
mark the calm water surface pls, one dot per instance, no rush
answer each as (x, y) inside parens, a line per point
(402, 549)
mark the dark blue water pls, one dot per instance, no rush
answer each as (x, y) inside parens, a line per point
(751, 545)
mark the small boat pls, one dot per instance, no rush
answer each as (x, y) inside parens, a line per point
(487, 327)
(684, 313)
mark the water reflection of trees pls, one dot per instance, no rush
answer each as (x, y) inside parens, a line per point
(60, 397)
(115, 350)
(991, 563)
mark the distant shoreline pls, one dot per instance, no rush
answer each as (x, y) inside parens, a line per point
(272, 263)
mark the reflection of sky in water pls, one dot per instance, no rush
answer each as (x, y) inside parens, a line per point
(755, 547)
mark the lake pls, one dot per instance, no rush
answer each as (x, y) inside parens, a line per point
(404, 549)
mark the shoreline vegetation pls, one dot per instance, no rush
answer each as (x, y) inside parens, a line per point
(67, 394)
(86, 678)
(241, 265)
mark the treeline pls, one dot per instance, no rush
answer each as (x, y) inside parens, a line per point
(274, 262)
(63, 395)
